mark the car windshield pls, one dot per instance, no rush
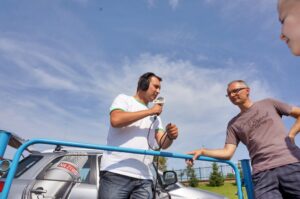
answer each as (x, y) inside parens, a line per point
(26, 164)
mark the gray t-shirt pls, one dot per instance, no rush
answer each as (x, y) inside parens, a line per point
(262, 130)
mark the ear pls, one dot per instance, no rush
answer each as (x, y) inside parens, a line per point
(248, 91)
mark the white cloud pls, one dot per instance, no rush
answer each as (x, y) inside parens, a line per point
(51, 81)
(173, 3)
(195, 94)
(178, 37)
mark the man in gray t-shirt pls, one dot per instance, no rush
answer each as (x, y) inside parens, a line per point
(274, 156)
(289, 17)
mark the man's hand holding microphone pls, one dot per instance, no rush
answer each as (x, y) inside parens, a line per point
(171, 130)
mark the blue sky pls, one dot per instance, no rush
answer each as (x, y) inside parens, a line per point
(63, 62)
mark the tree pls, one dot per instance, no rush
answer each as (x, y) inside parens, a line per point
(216, 178)
(162, 162)
(192, 178)
(230, 176)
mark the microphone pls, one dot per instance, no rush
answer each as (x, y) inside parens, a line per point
(159, 100)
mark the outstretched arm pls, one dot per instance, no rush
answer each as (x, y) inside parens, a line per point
(226, 153)
(296, 127)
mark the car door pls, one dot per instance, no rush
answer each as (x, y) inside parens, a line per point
(64, 177)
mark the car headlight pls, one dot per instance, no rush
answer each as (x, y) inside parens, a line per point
(4, 165)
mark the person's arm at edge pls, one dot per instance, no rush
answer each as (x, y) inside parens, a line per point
(226, 153)
(296, 126)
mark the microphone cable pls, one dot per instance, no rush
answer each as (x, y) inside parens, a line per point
(160, 140)
(156, 158)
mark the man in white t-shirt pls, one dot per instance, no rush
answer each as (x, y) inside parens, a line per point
(134, 125)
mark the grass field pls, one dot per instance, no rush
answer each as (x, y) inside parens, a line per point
(229, 190)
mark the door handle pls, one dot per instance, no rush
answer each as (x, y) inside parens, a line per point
(38, 190)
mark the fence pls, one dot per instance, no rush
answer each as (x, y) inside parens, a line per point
(203, 173)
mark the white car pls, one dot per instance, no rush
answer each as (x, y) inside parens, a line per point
(74, 174)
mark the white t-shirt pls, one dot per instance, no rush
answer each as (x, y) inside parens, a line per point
(131, 136)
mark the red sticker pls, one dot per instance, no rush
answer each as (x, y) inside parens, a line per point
(69, 167)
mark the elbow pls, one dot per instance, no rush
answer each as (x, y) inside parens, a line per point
(224, 158)
(227, 156)
(115, 123)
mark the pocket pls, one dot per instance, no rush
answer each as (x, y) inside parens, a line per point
(116, 179)
(256, 178)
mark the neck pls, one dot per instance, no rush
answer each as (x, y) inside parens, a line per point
(140, 97)
(245, 106)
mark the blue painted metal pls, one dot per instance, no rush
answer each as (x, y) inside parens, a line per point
(247, 178)
(19, 152)
(4, 139)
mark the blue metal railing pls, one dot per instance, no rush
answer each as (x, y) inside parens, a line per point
(247, 178)
(20, 150)
(4, 139)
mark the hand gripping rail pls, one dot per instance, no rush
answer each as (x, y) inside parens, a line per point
(14, 165)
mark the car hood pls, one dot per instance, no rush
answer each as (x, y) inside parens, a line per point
(193, 193)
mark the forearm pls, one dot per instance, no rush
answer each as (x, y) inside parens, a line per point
(216, 153)
(120, 118)
(165, 138)
(295, 128)
(165, 141)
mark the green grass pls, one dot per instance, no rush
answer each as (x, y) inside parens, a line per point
(229, 190)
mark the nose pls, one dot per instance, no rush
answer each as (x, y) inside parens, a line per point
(158, 90)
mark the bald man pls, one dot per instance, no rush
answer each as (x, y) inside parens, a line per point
(289, 16)
(275, 158)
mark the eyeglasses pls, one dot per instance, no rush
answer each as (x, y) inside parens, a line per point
(235, 91)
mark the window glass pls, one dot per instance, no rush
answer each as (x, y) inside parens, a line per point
(68, 168)
(26, 164)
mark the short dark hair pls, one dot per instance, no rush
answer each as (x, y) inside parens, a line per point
(144, 81)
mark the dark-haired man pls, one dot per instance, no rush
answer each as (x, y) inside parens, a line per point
(274, 156)
(134, 125)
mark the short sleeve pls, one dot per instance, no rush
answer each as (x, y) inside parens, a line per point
(231, 137)
(120, 102)
(159, 125)
(281, 108)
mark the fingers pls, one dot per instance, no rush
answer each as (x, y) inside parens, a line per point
(157, 109)
(292, 140)
(189, 162)
(195, 154)
(172, 131)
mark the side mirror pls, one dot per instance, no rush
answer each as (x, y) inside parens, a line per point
(4, 165)
(169, 178)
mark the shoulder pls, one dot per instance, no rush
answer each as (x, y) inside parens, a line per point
(233, 120)
(123, 97)
(281, 107)
(120, 102)
(270, 100)
(264, 101)
(276, 102)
